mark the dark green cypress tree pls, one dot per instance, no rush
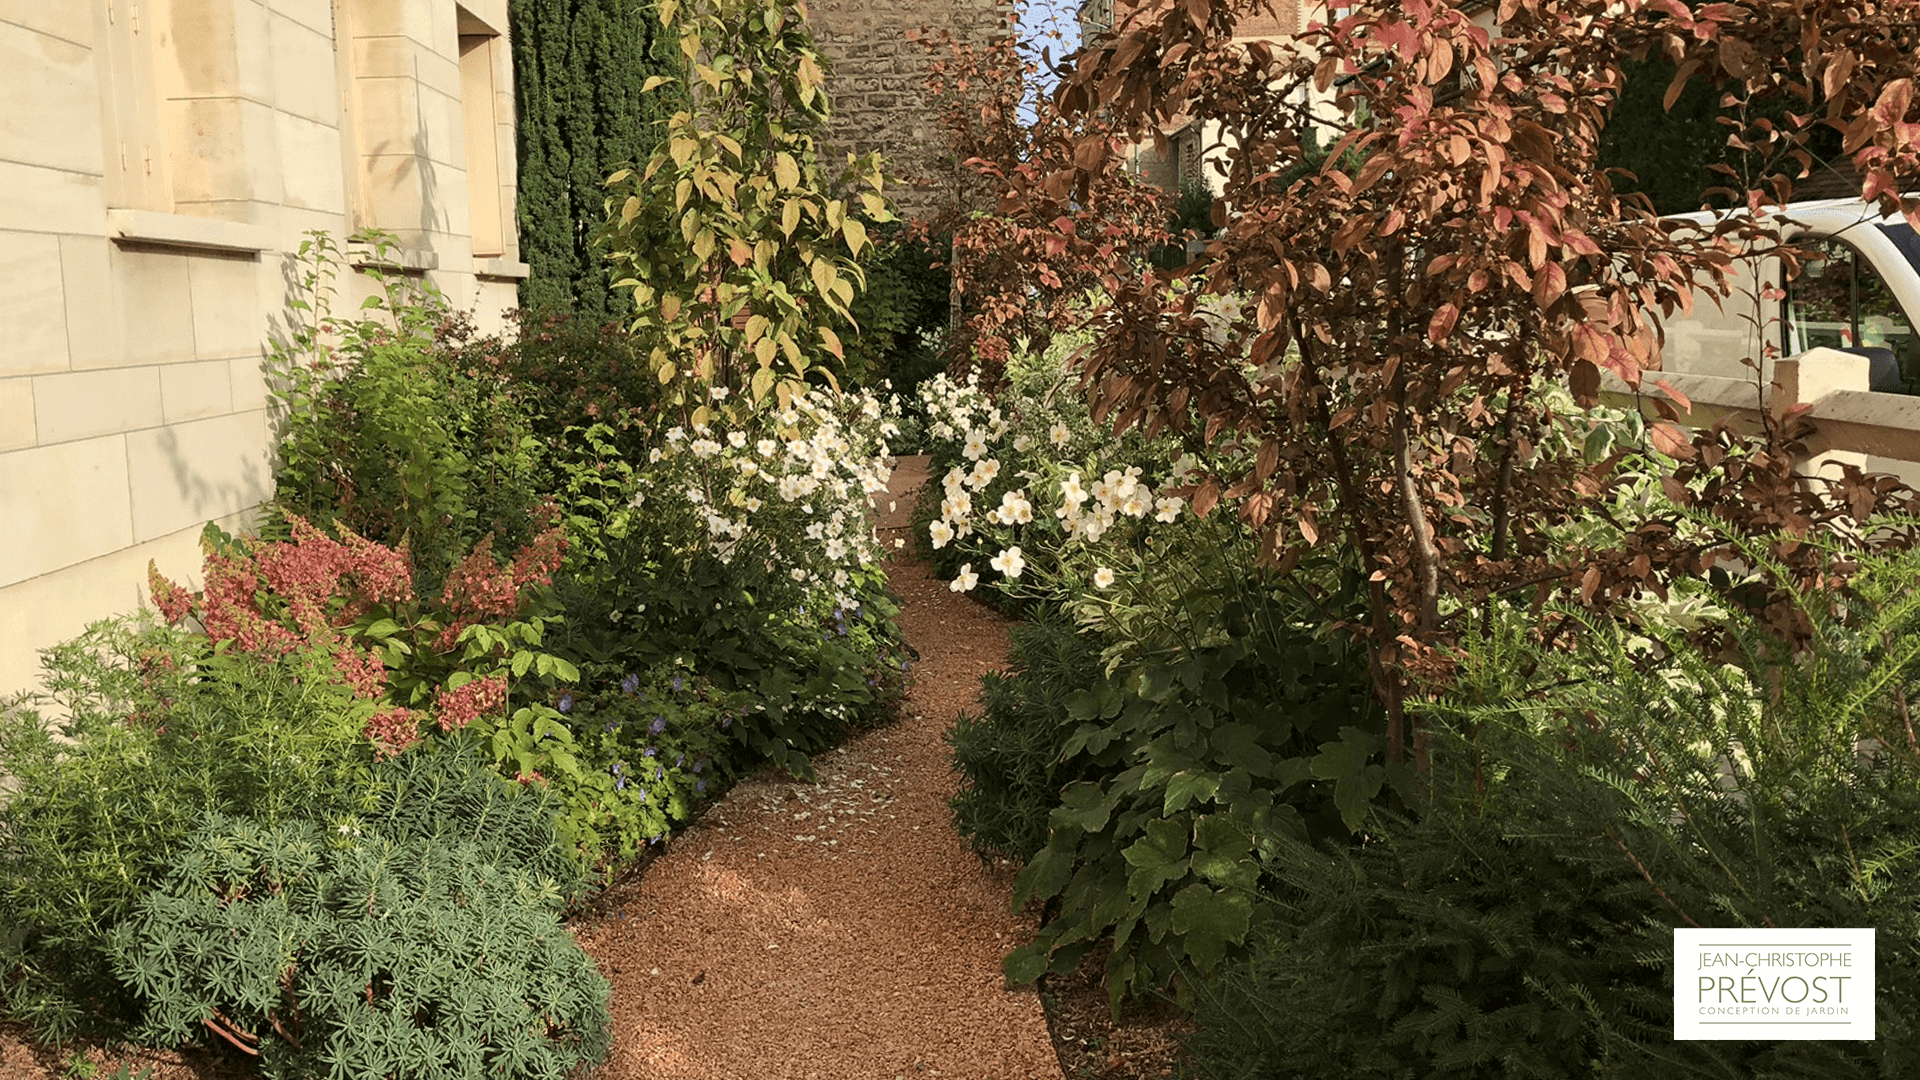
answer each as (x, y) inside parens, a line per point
(579, 66)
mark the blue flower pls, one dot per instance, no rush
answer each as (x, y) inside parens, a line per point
(726, 721)
(699, 787)
(698, 765)
(619, 775)
(565, 703)
(651, 751)
(676, 682)
(629, 684)
(659, 771)
(659, 725)
(679, 761)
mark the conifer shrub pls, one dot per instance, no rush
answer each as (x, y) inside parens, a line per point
(1008, 758)
(356, 954)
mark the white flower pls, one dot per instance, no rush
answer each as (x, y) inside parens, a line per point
(797, 574)
(1134, 506)
(983, 473)
(767, 447)
(836, 549)
(942, 534)
(957, 507)
(1059, 434)
(976, 446)
(1167, 509)
(736, 439)
(719, 393)
(966, 581)
(754, 505)
(1009, 562)
(675, 434)
(1014, 509)
(1021, 443)
(1071, 492)
(748, 467)
(705, 448)
(1102, 578)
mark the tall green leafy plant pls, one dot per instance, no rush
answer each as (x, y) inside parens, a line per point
(738, 251)
(373, 431)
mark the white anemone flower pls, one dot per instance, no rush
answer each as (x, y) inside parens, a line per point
(975, 448)
(1103, 578)
(1059, 435)
(941, 532)
(983, 473)
(966, 581)
(1009, 562)
(1168, 509)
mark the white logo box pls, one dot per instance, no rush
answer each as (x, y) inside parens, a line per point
(1773, 984)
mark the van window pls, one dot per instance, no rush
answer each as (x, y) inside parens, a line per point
(1840, 301)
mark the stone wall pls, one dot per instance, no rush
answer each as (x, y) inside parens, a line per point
(160, 161)
(877, 83)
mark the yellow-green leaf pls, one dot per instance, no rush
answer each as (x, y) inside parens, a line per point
(792, 349)
(876, 206)
(843, 290)
(703, 244)
(786, 171)
(790, 217)
(619, 175)
(630, 209)
(856, 237)
(836, 213)
(762, 382)
(763, 351)
(669, 308)
(729, 144)
(700, 416)
(757, 328)
(654, 83)
(832, 341)
(682, 191)
(682, 150)
(667, 372)
(823, 276)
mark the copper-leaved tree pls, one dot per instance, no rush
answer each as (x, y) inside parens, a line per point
(1400, 323)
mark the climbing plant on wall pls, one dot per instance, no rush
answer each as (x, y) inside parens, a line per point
(579, 69)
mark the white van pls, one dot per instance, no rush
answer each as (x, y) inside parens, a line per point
(1858, 292)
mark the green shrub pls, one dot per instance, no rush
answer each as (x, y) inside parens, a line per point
(1196, 762)
(1008, 759)
(159, 729)
(357, 954)
(384, 430)
(1631, 786)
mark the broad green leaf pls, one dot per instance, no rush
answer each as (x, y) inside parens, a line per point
(1025, 964)
(1083, 806)
(1209, 920)
(757, 327)
(383, 628)
(1158, 857)
(630, 209)
(762, 382)
(1044, 877)
(1188, 786)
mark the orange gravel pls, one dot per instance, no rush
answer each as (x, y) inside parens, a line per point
(839, 930)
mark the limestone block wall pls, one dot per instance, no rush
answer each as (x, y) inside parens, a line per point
(877, 82)
(160, 160)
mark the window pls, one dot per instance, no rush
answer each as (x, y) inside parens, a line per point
(1841, 302)
(481, 52)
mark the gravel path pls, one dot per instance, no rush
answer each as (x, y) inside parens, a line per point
(839, 930)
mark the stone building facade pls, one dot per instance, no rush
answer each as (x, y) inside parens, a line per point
(877, 82)
(160, 161)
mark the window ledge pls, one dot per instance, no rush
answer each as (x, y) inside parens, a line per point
(505, 269)
(183, 231)
(402, 260)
